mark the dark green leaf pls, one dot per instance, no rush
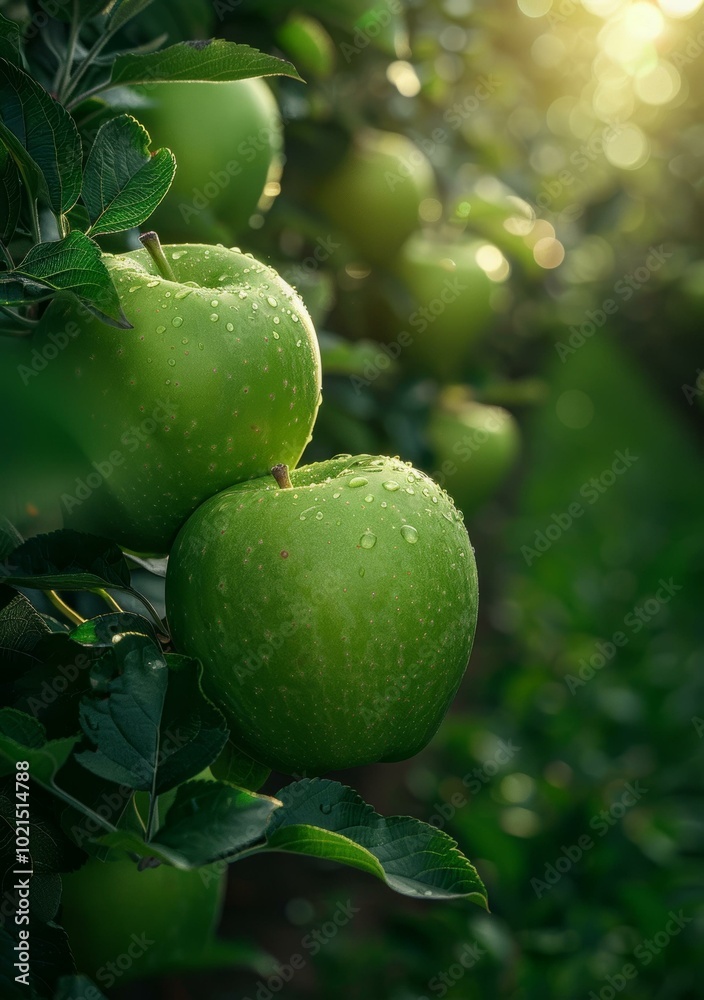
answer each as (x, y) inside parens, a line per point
(210, 821)
(215, 60)
(10, 41)
(10, 194)
(68, 560)
(34, 125)
(123, 719)
(73, 264)
(123, 11)
(23, 738)
(103, 630)
(327, 820)
(10, 538)
(235, 767)
(21, 627)
(123, 182)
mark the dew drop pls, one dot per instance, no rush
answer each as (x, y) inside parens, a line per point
(153, 284)
(368, 540)
(229, 327)
(276, 320)
(326, 808)
(160, 329)
(172, 361)
(319, 516)
(177, 321)
(184, 340)
(201, 347)
(409, 534)
(276, 335)
(242, 295)
(178, 254)
(214, 303)
(390, 485)
(294, 318)
(182, 293)
(214, 317)
(357, 481)
(272, 301)
(426, 491)
(298, 343)
(362, 571)
(434, 499)
(368, 498)
(409, 489)
(384, 503)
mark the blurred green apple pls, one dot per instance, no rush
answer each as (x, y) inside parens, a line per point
(373, 197)
(475, 447)
(227, 140)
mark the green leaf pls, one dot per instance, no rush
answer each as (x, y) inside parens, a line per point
(123, 182)
(23, 738)
(73, 264)
(21, 627)
(123, 720)
(69, 560)
(123, 11)
(210, 821)
(10, 48)
(327, 820)
(235, 767)
(215, 60)
(41, 136)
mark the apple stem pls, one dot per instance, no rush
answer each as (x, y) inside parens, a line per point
(280, 474)
(151, 243)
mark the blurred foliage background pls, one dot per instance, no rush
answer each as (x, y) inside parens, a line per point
(511, 297)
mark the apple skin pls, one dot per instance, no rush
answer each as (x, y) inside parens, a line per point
(453, 296)
(374, 195)
(475, 447)
(104, 903)
(227, 140)
(213, 385)
(334, 619)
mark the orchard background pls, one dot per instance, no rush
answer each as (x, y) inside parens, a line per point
(557, 147)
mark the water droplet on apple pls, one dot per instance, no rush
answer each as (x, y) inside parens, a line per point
(160, 329)
(336, 496)
(409, 489)
(409, 534)
(390, 485)
(242, 295)
(177, 321)
(294, 318)
(319, 516)
(276, 335)
(368, 498)
(276, 320)
(184, 340)
(178, 254)
(326, 808)
(434, 499)
(357, 481)
(384, 503)
(229, 327)
(362, 571)
(182, 293)
(368, 540)
(172, 361)
(426, 491)
(272, 301)
(214, 317)
(153, 284)
(214, 303)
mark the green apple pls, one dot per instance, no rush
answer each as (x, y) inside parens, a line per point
(218, 379)
(123, 923)
(452, 296)
(334, 613)
(475, 447)
(227, 140)
(373, 197)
